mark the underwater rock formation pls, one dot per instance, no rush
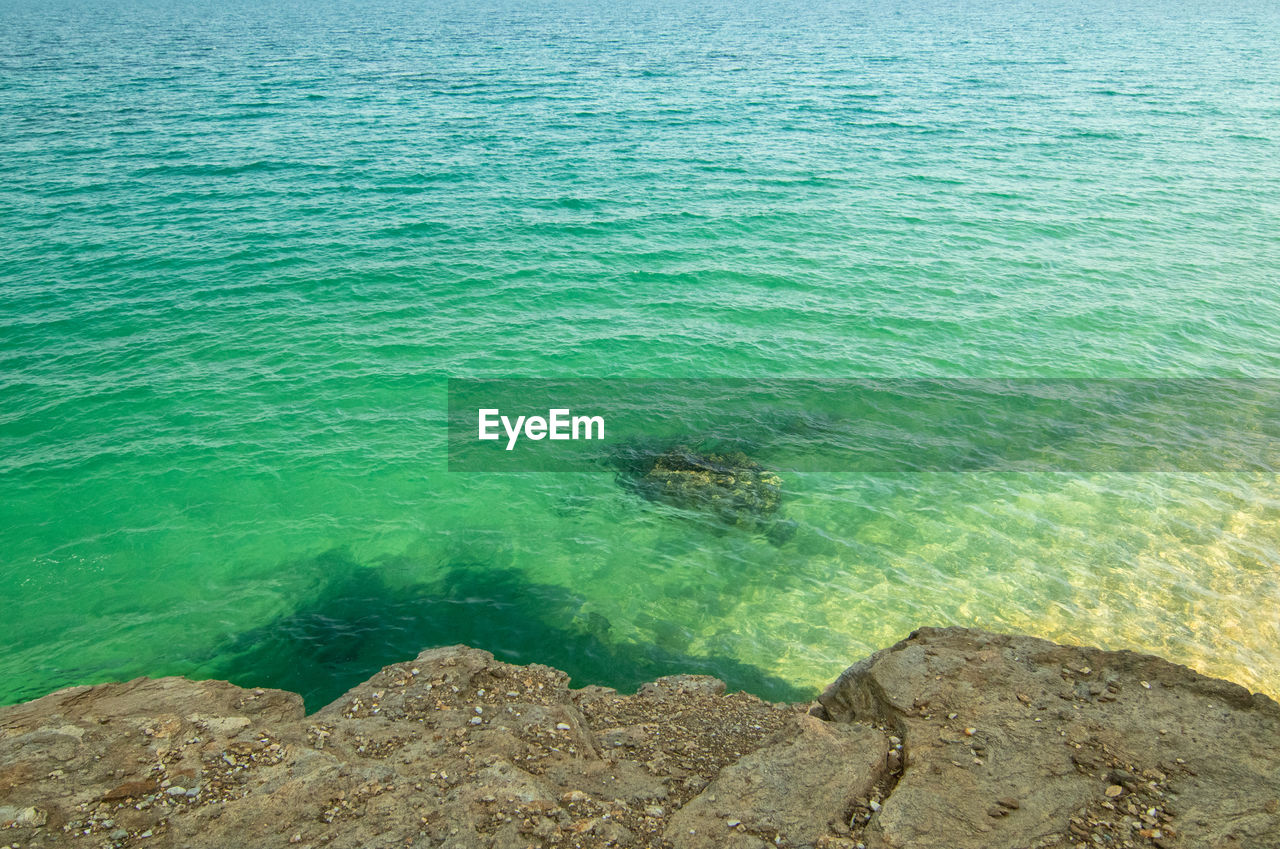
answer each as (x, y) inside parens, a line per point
(729, 486)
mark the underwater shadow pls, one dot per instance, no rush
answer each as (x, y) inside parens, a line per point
(358, 623)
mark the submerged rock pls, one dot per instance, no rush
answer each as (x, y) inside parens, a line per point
(730, 486)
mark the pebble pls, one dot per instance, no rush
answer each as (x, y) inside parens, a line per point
(175, 790)
(733, 823)
(475, 720)
(25, 818)
(1114, 790)
(562, 726)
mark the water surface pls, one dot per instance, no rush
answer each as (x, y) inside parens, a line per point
(243, 247)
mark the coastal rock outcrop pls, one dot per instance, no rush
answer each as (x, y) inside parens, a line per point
(1018, 742)
(953, 738)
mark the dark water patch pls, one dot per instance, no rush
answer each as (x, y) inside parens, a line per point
(358, 622)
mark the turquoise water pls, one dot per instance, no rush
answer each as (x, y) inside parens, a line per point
(243, 248)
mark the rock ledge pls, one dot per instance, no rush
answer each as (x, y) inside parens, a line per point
(950, 739)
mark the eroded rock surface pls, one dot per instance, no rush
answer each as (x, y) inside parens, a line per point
(950, 739)
(1020, 743)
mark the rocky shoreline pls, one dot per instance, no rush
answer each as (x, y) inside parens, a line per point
(952, 738)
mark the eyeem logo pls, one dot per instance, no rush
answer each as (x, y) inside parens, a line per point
(559, 424)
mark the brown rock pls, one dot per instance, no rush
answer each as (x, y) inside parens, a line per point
(791, 788)
(1057, 761)
(398, 762)
(130, 790)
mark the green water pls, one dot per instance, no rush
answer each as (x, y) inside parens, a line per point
(242, 249)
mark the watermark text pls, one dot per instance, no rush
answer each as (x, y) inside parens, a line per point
(559, 423)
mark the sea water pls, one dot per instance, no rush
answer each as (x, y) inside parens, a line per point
(243, 246)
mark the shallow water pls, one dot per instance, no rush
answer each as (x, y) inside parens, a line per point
(243, 248)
